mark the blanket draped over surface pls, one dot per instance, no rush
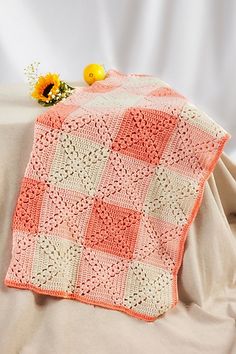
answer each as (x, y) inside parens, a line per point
(114, 180)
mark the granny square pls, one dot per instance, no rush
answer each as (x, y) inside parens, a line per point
(112, 229)
(28, 208)
(55, 263)
(65, 213)
(56, 115)
(148, 290)
(78, 164)
(103, 278)
(157, 243)
(125, 180)
(21, 265)
(144, 134)
(101, 130)
(45, 143)
(170, 196)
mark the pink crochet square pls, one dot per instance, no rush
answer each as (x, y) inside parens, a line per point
(100, 87)
(21, 265)
(171, 105)
(144, 134)
(55, 115)
(45, 143)
(112, 229)
(28, 208)
(165, 91)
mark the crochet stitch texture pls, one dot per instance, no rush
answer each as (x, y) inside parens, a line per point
(114, 181)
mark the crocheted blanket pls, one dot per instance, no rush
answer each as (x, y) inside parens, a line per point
(114, 181)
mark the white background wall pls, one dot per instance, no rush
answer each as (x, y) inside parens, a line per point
(191, 44)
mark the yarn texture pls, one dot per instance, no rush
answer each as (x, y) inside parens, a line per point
(113, 183)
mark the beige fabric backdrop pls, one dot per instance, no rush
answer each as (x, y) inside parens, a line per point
(202, 322)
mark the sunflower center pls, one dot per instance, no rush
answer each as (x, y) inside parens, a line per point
(47, 90)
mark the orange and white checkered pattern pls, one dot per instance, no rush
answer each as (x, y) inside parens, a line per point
(113, 183)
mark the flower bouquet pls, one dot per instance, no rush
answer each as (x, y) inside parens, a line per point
(46, 89)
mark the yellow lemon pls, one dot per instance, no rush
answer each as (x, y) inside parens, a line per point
(94, 72)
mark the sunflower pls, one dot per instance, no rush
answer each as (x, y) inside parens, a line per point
(46, 87)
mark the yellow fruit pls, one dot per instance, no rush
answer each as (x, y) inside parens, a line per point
(94, 72)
